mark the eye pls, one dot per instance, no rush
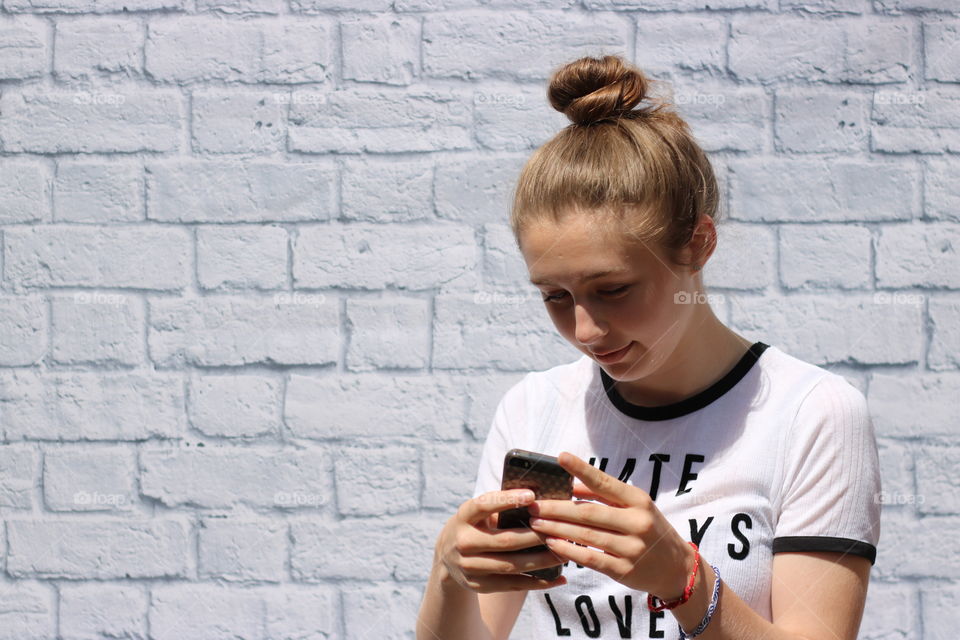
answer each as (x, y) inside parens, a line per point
(613, 292)
(553, 297)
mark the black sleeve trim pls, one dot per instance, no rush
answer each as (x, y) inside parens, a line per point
(825, 543)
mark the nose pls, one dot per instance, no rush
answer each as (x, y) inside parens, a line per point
(587, 330)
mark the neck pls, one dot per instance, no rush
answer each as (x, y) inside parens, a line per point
(701, 358)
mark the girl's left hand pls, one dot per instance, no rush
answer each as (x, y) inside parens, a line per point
(627, 536)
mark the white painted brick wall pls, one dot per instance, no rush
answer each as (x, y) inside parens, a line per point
(259, 299)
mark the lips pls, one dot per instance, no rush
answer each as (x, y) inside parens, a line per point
(609, 357)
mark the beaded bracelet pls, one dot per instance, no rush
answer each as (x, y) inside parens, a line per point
(656, 604)
(714, 600)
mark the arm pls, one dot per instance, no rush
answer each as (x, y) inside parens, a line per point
(449, 611)
(815, 596)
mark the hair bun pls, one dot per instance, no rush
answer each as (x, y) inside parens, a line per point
(589, 90)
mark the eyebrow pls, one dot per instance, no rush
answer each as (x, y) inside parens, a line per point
(584, 277)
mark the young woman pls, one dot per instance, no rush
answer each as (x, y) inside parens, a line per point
(725, 489)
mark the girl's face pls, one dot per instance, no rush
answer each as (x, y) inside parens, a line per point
(618, 300)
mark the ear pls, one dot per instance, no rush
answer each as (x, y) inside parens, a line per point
(703, 241)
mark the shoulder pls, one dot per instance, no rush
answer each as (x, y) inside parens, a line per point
(809, 386)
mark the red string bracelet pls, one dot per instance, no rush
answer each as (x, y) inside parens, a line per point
(656, 604)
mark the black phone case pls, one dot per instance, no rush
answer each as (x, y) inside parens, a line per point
(543, 474)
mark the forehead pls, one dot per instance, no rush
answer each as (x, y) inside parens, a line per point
(580, 246)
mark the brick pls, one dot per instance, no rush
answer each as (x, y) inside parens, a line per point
(941, 41)
(242, 257)
(916, 121)
(381, 120)
(899, 556)
(224, 477)
(675, 5)
(364, 489)
(235, 406)
(856, 329)
(235, 550)
(941, 194)
(221, 330)
(25, 190)
(896, 6)
(238, 122)
(23, 324)
(86, 191)
(801, 190)
(179, 191)
(897, 470)
(382, 610)
(18, 464)
(372, 256)
(745, 257)
(936, 393)
(240, 7)
(314, 6)
(389, 333)
(24, 43)
(206, 611)
(918, 254)
(944, 351)
(511, 117)
(723, 117)
(827, 6)
(660, 43)
(65, 256)
(890, 613)
(381, 48)
(821, 120)
(825, 256)
(105, 120)
(337, 407)
(476, 189)
(102, 610)
(774, 48)
(309, 613)
(525, 46)
(937, 486)
(27, 610)
(503, 264)
(938, 599)
(98, 328)
(91, 6)
(98, 549)
(507, 333)
(354, 548)
(86, 47)
(200, 48)
(449, 474)
(387, 191)
(483, 393)
(90, 406)
(89, 479)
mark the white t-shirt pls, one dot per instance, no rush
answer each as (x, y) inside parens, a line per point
(778, 455)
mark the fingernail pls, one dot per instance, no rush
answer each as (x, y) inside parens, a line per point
(534, 521)
(527, 495)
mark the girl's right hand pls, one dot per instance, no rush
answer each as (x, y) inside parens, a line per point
(474, 552)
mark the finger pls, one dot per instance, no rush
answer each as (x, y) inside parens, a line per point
(602, 484)
(581, 491)
(611, 565)
(503, 582)
(592, 514)
(609, 542)
(519, 562)
(472, 540)
(477, 509)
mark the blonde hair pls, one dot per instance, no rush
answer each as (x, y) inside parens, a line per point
(642, 166)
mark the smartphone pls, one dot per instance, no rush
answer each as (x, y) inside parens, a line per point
(548, 480)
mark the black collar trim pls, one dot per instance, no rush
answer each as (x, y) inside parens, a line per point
(687, 405)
